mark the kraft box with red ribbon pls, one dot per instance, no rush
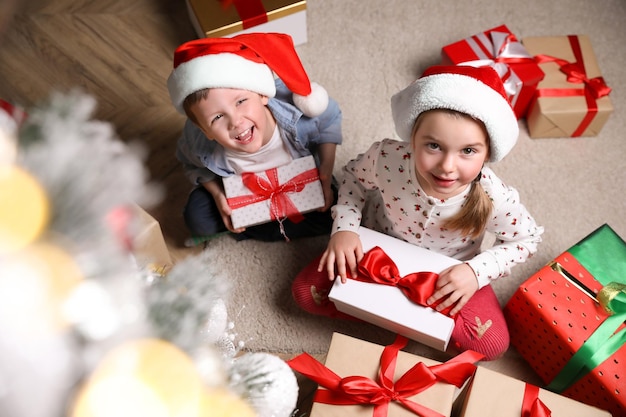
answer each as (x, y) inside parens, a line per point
(363, 379)
(500, 49)
(573, 99)
(140, 234)
(567, 322)
(395, 279)
(510, 397)
(284, 192)
(225, 18)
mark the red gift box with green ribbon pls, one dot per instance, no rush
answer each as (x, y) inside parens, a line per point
(573, 98)
(500, 49)
(567, 322)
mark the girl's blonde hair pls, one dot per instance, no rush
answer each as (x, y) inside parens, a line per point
(476, 210)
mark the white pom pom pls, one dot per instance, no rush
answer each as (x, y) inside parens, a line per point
(266, 382)
(315, 103)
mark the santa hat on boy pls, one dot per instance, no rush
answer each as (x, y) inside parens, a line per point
(477, 92)
(246, 62)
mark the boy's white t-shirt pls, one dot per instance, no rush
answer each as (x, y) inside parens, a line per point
(271, 155)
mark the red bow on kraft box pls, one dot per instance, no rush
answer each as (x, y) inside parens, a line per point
(392, 392)
(572, 100)
(284, 192)
(501, 50)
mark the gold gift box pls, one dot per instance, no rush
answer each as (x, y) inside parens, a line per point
(211, 20)
(348, 356)
(491, 394)
(557, 117)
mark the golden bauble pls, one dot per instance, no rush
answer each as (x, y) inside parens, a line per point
(24, 209)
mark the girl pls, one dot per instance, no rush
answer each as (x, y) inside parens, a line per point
(433, 190)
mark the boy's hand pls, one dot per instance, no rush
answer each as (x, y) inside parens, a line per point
(455, 286)
(345, 251)
(225, 211)
(217, 191)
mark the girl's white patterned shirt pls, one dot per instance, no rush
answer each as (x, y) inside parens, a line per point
(380, 191)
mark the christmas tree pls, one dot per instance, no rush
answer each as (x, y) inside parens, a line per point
(86, 327)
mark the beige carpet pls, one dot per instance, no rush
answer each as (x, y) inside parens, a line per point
(363, 52)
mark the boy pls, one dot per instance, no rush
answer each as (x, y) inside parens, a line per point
(243, 119)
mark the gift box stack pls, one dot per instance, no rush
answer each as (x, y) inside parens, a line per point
(567, 321)
(283, 192)
(553, 82)
(226, 18)
(360, 378)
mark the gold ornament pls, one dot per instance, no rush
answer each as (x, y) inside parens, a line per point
(146, 377)
(223, 403)
(35, 282)
(24, 209)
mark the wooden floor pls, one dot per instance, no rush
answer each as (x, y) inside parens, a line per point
(120, 52)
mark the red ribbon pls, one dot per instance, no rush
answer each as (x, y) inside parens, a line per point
(377, 267)
(251, 12)
(281, 205)
(353, 390)
(532, 406)
(594, 88)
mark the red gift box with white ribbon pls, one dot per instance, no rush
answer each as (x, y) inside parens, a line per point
(500, 49)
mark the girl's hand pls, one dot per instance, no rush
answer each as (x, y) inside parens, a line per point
(455, 286)
(344, 251)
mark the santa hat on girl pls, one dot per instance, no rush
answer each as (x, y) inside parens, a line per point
(477, 92)
(246, 62)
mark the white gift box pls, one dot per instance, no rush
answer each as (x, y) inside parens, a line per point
(386, 306)
(211, 20)
(279, 200)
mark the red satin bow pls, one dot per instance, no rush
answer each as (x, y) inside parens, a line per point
(576, 74)
(354, 390)
(532, 406)
(376, 266)
(281, 205)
